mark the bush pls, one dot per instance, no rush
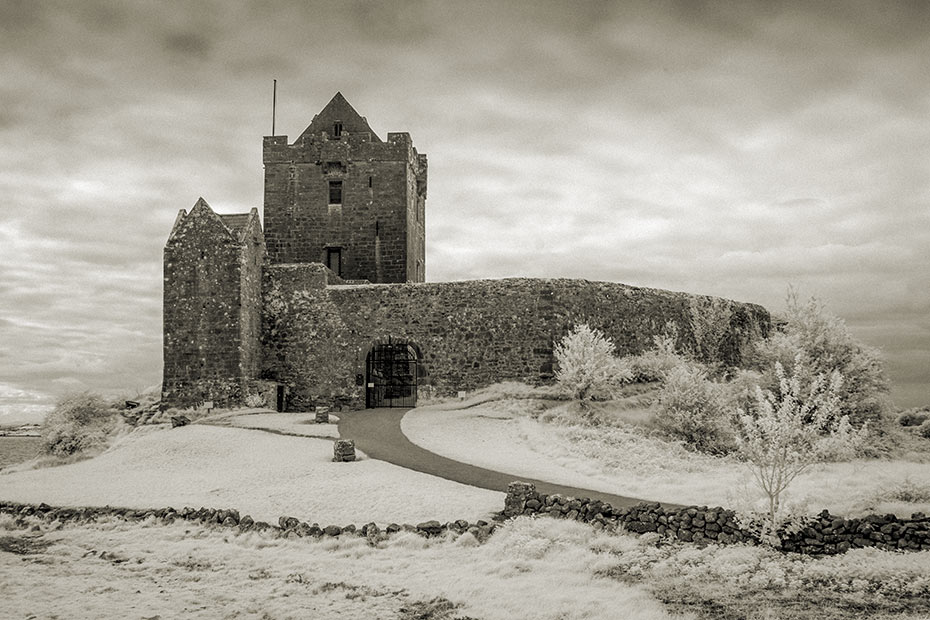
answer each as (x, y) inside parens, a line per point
(656, 363)
(587, 367)
(710, 322)
(692, 408)
(815, 343)
(913, 417)
(79, 423)
(924, 429)
(255, 400)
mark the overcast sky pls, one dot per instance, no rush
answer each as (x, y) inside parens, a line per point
(727, 151)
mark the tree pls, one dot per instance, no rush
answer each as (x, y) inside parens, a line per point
(587, 367)
(815, 342)
(791, 430)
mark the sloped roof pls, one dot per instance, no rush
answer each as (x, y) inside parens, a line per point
(235, 222)
(338, 109)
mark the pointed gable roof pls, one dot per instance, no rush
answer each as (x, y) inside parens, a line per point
(339, 110)
(235, 222)
(233, 225)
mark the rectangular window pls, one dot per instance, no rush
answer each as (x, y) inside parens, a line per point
(334, 260)
(335, 192)
(337, 129)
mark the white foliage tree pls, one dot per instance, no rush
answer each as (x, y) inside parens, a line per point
(587, 367)
(791, 430)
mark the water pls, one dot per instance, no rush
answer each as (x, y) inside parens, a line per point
(17, 449)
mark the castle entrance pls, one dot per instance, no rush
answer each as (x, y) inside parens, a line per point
(391, 370)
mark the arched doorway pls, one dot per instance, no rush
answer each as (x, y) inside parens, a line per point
(391, 371)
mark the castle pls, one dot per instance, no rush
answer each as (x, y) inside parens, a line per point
(327, 303)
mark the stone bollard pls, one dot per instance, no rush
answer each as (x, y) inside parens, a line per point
(344, 450)
(518, 493)
(322, 415)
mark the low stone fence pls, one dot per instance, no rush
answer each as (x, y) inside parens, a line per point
(824, 534)
(287, 527)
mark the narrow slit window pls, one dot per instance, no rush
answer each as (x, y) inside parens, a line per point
(334, 260)
(335, 192)
(369, 181)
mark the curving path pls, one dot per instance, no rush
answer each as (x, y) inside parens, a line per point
(377, 433)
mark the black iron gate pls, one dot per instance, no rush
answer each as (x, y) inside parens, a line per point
(392, 376)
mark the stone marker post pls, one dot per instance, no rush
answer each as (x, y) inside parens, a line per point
(344, 450)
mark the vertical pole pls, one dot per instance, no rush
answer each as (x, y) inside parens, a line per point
(274, 104)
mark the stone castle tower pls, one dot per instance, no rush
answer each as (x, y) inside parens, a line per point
(341, 196)
(327, 304)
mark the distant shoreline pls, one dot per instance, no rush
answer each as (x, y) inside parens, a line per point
(23, 430)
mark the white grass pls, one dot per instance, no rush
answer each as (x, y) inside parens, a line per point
(258, 473)
(502, 436)
(532, 569)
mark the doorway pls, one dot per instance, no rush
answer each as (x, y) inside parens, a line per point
(391, 371)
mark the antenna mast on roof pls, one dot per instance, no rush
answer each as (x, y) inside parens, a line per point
(274, 103)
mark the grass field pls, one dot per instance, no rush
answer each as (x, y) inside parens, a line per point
(530, 568)
(528, 437)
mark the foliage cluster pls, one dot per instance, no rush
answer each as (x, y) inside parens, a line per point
(588, 368)
(255, 400)
(816, 343)
(914, 417)
(792, 429)
(80, 423)
(693, 408)
(743, 577)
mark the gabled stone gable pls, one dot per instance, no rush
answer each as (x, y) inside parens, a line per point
(212, 292)
(338, 110)
(377, 223)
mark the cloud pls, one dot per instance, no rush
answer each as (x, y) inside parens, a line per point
(669, 144)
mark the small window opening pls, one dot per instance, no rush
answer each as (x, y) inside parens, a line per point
(337, 129)
(335, 192)
(369, 181)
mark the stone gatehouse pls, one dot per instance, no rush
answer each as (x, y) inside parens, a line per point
(327, 304)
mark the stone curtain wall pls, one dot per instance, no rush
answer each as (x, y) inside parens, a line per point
(823, 535)
(470, 334)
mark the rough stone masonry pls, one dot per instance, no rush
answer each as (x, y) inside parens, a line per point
(327, 303)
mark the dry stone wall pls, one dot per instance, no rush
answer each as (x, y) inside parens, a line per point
(824, 534)
(316, 337)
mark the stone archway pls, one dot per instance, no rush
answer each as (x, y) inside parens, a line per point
(391, 374)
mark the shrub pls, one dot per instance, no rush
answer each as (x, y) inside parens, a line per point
(587, 367)
(255, 400)
(913, 417)
(79, 423)
(656, 363)
(710, 322)
(792, 429)
(924, 429)
(816, 343)
(692, 408)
